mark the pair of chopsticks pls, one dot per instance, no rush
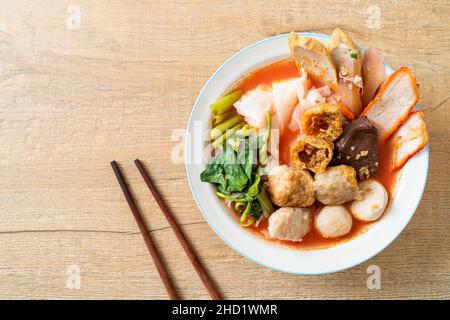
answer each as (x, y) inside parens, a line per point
(148, 240)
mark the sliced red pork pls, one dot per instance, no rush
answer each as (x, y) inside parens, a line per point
(409, 139)
(393, 102)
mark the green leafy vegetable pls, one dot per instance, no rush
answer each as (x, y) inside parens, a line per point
(218, 143)
(246, 157)
(224, 104)
(266, 204)
(234, 143)
(235, 170)
(240, 206)
(219, 118)
(253, 190)
(246, 131)
(251, 213)
(234, 173)
(256, 210)
(221, 128)
(246, 212)
(354, 55)
(215, 173)
(226, 172)
(263, 151)
(228, 197)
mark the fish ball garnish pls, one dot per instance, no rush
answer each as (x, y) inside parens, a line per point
(289, 223)
(333, 221)
(372, 203)
(336, 185)
(290, 187)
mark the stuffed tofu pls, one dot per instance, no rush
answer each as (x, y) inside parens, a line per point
(348, 60)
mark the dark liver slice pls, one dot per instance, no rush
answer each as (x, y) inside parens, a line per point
(359, 137)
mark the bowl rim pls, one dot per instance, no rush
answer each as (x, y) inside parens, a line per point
(197, 201)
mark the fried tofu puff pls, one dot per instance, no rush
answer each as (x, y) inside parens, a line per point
(323, 121)
(290, 187)
(311, 152)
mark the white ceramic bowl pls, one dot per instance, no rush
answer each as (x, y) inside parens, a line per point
(308, 262)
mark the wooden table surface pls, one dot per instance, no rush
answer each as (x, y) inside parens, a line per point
(86, 82)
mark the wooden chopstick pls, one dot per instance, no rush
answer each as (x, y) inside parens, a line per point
(213, 293)
(145, 234)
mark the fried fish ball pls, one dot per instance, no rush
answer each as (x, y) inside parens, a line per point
(373, 201)
(290, 187)
(311, 153)
(333, 221)
(290, 223)
(323, 121)
(336, 185)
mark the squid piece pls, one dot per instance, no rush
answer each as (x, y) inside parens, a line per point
(409, 139)
(285, 99)
(254, 104)
(295, 123)
(373, 73)
(393, 102)
(313, 56)
(348, 60)
(316, 96)
(312, 98)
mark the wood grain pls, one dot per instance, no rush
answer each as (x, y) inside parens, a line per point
(73, 100)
